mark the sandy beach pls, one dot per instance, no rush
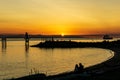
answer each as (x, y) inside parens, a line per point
(111, 67)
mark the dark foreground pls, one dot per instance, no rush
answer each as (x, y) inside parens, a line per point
(108, 70)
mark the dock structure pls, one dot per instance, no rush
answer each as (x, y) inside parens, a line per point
(26, 39)
(4, 42)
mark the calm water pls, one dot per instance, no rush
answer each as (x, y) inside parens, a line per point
(16, 60)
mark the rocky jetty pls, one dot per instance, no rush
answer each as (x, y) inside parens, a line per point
(72, 44)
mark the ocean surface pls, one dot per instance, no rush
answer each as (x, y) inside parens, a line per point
(18, 60)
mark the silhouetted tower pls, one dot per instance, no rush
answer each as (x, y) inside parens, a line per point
(26, 39)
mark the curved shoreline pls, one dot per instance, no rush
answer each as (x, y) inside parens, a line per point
(99, 70)
(111, 67)
(109, 58)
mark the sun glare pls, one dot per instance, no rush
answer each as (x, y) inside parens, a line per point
(62, 34)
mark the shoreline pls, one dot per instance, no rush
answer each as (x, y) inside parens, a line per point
(110, 67)
(108, 59)
(99, 71)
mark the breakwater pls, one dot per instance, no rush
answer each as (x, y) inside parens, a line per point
(72, 44)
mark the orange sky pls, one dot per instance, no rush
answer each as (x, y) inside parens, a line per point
(75, 17)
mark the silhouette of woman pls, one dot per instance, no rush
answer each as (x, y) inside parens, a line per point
(76, 68)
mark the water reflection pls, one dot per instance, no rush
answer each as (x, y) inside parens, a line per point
(27, 47)
(26, 54)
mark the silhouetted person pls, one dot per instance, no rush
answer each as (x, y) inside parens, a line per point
(76, 68)
(81, 67)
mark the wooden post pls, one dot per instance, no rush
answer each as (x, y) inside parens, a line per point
(4, 42)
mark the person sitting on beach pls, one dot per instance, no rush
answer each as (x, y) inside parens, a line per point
(81, 67)
(76, 68)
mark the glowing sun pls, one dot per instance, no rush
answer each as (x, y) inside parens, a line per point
(62, 34)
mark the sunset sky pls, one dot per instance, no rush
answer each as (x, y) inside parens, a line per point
(74, 17)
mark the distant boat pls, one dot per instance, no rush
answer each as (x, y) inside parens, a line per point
(107, 37)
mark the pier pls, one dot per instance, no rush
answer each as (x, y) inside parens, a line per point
(4, 42)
